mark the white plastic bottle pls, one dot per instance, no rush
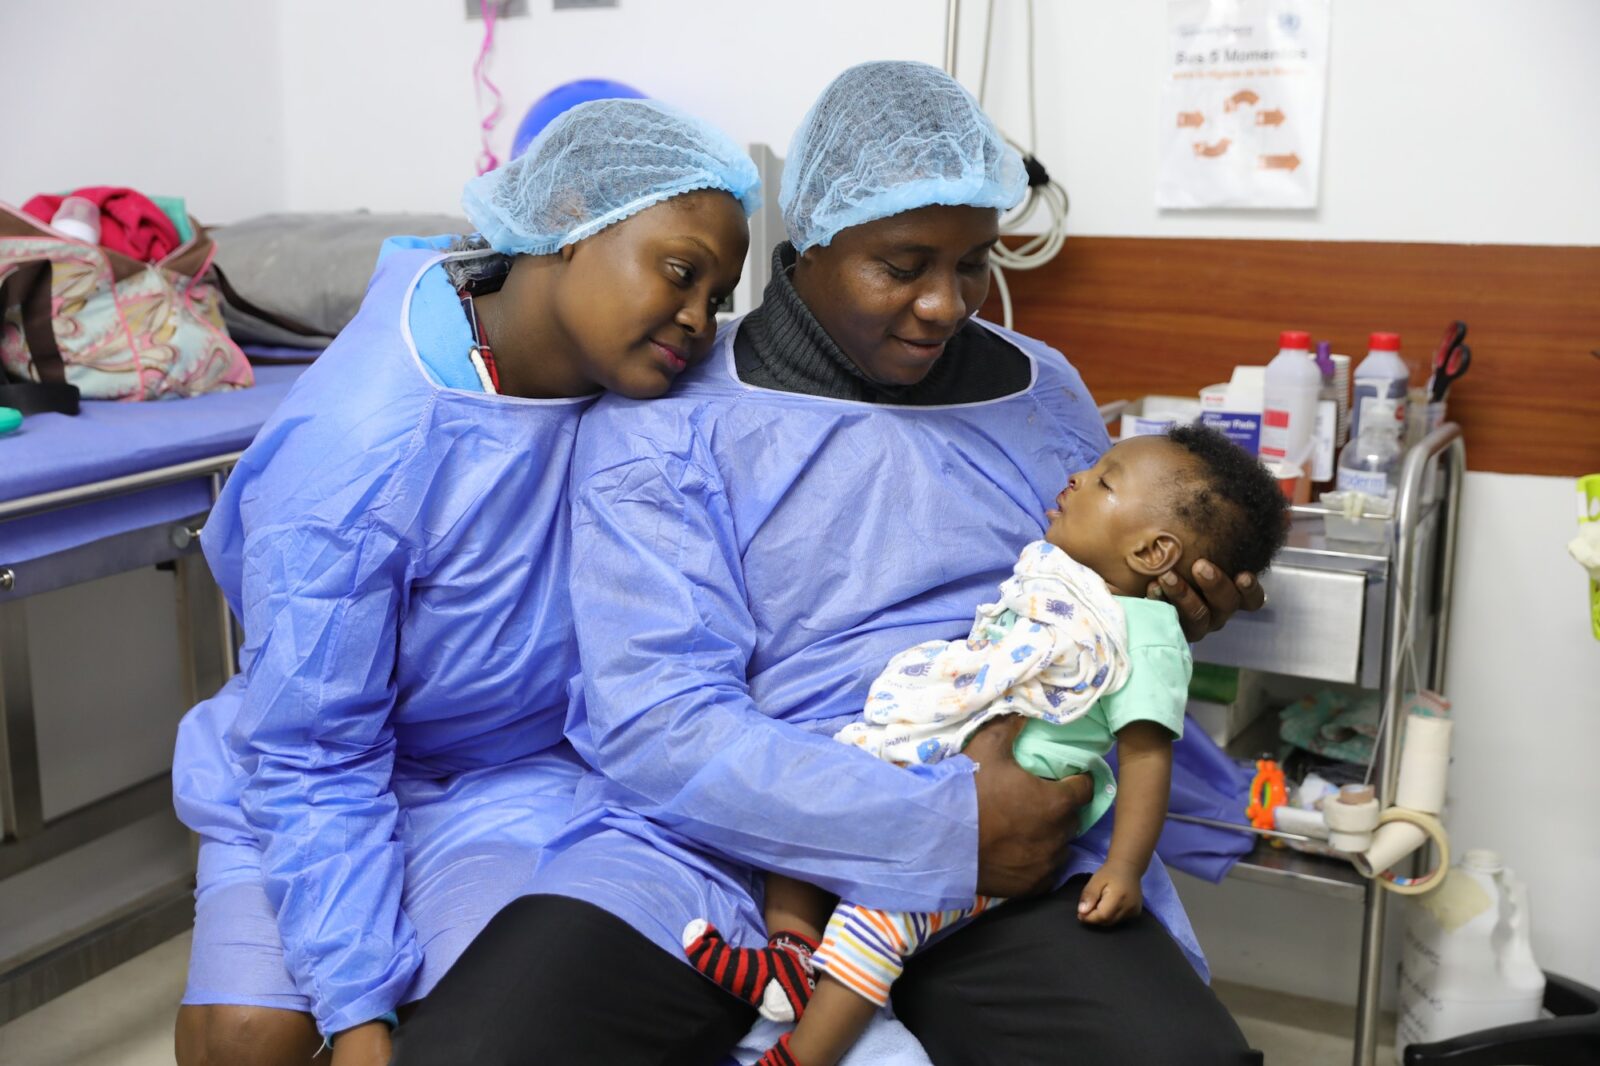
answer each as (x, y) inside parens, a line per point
(78, 218)
(1370, 463)
(1467, 962)
(1289, 400)
(1382, 375)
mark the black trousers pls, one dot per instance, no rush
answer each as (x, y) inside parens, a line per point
(556, 982)
(1029, 983)
(553, 981)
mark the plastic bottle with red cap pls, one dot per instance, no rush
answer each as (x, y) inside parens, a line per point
(1382, 375)
(1289, 409)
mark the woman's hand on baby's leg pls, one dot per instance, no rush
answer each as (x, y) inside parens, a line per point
(1112, 895)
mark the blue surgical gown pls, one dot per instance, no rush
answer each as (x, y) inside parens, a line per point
(745, 561)
(398, 554)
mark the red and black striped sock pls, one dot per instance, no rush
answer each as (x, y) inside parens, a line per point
(779, 1054)
(777, 980)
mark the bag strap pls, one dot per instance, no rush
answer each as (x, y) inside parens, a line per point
(284, 322)
(32, 278)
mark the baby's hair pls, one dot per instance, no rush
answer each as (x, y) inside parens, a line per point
(1232, 503)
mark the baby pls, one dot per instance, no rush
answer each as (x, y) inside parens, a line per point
(1074, 646)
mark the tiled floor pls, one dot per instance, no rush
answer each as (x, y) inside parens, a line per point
(1292, 1031)
(124, 1018)
(121, 1018)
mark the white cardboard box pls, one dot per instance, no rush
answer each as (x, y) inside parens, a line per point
(1154, 415)
(1224, 721)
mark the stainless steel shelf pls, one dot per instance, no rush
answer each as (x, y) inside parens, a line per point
(1287, 868)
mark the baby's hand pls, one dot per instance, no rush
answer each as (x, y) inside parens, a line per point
(1112, 895)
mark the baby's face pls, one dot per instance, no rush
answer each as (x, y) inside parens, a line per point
(1106, 513)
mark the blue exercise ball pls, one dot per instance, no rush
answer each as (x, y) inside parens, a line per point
(563, 98)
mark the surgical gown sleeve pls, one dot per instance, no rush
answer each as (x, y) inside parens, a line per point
(665, 638)
(322, 612)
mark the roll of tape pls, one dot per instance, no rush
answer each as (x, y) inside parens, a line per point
(1401, 832)
(1350, 817)
(1424, 764)
(1354, 843)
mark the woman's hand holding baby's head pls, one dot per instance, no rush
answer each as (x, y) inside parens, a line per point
(1171, 517)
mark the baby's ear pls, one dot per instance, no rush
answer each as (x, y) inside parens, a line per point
(1156, 552)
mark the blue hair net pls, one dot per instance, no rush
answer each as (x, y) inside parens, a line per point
(890, 137)
(597, 164)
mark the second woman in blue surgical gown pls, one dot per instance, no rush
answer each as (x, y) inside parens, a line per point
(380, 777)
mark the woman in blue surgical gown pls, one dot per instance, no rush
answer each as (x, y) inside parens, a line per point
(380, 777)
(851, 472)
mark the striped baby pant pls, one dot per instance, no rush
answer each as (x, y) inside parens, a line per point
(865, 949)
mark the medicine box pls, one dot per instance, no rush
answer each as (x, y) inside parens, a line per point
(1154, 415)
(1224, 700)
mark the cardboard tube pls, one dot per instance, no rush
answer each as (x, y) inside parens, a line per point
(1400, 833)
(1424, 764)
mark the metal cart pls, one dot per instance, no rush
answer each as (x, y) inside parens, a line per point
(1376, 616)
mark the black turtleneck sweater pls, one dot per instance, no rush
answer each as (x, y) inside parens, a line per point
(781, 345)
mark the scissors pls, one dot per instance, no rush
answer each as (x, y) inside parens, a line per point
(1451, 360)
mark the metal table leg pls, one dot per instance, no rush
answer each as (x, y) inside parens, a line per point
(1442, 445)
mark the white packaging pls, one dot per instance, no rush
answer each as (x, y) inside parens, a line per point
(1224, 721)
(1341, 395)
(1234, 408)
(1467, 962)
(1154, 415)
(1323, 437)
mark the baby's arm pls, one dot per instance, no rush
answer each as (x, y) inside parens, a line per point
(1144, 778)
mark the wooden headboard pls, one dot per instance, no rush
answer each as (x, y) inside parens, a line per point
(1139, 316)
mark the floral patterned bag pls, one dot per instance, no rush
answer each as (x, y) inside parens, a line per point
(79, 319)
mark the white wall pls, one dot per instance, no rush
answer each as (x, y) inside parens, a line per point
(1524, 672)
(1446, 121)
(1451, 121)
(379, 93)
(171, 97)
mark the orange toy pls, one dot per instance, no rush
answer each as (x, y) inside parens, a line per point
(1268, 792)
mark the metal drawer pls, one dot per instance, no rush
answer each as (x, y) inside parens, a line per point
(1315, 625)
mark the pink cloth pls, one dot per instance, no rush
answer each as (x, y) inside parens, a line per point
(130, 222)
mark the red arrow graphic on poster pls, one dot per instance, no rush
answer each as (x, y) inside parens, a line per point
(1191, 118)
(1211, 151)
(1269, 118)
(1243, 96)
(1280, 162)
